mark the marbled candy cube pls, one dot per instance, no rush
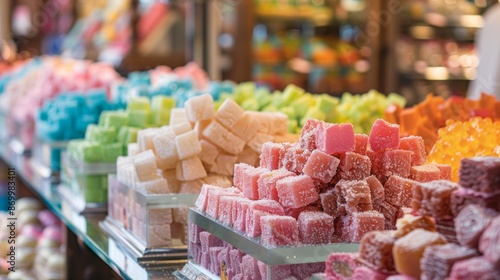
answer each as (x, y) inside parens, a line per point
(190, 169)
(315, 227)
(335, 138)
(223, 165)
(474, 268)
(364, 222)
(470, 224)
(270, 157)
(223, 138)
(425, 173)
(481, 174)
(267, 183)
(489, 243)
(340, 265)
(361, 143)
(202, 200)
(463, 197)
(397, 162)
(145, 166)
(165, 148)
(438, 260)
(377, 191)
(417, 146)
(354, 166)
(187, 145)
(296, 191)
(376, 251)
(200, 108)
(384, 135)
(433, 199)
(399, 191)
(321, 166)
(229, 113)
(279, 231)
(295, 158)
(307, 138)
(246, 127)
(353, 196)
(409, 249)
(329, 202)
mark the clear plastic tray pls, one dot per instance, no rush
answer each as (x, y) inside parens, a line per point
(49, 153)
(156, 221)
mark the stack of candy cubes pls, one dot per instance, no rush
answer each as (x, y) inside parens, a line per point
(475, 137)
(199, 146)
(425, 118)
(64, 118)
(420, 249)
(331, 186)
(106, 141)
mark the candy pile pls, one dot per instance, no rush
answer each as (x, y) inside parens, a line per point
(431, 114)
(422, 248)
(458, 140)
(328, 187)
(210, 252)
(38, 243)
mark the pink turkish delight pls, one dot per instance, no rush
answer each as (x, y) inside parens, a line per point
(399, 191)
(417, 146)
(474, 268)
(489, 243)
(340, 265)
(307, 138)
(321, 166)
(376, 251)
(270, 156)
(434, 198)
(425, 173)
(249, 267)
(364, 222)
(329, 202)
(354, 166)
(315, 227)
(353, 196)
(202, 201)
(305, 270)
(397, 162)
(335, 138)
(267, 183)
(214, 201)
(249, 183)
(279, 231)
(240, 211)
(295, 158)
(361, 143)
(377, 191)
(208, 240)
(236, 257)
(384, 135)
(296, 191)
(463, 197)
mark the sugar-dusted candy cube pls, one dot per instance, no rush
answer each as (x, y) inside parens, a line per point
(296, 191)
(361, 143)
(267, 205)
(377, 191)
(258, 209)
(229, 113)
(208, 152)
(223, 165)
(438, 260)
(445, 171)
(270, 156)
(321, 166)
(434, 198)
(258, 140)
(267, 183)
(417, 146)
(240, 213)
(190, 169)
(205, 260)
(181, 128)
(202, 200)
(315, 227)
(100, 134)
(295, 158)
(463, 197)
(390, 213)
(335, 138)
(133, 149)
(307, 138)
(353, 196)
(194, 233)
(236, 257)
(276, 271)
(364, 222)
(145, 138)
(246, 127)
(399, 191)
(474, 268)
(384, 135)
(250, 268)
(213, 203)
(408, 223)
(481, 174)
(248, 156)
(165, 148)
(340, 265)
(329, 202)
(178, 115)
(409, 249)
(239, 171)
(187, 145)
(425, 173)
(470, 224)
(489, 243)
(305, 270)
(376, 251)
(249, 180)
(208, 240)
(365, 273)
(226, 209)
(145, 166)
(159, 216)
(159, 235)
(223, 138)
(354, 166)
(200, 108)
(277, 124)
(200, 126)
(279, 231)
(397, 162)
(155, 186)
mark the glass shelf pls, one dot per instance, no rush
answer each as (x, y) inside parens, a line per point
(270, 256)
(86, 227)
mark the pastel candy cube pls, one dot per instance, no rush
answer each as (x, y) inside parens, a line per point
(223, 138)
(190, 169)
(417, 146)
(266, 184)
(110, 152)
(246, 127)
(307, 138)
(226, 209)
(239, 215)
(270, 155)
(258, 209)
(315, 227)
(229, 113)
(399, 191)
(296, 191)
(200, 126)
(115, 119)
(145, 138)
(353, 196)
(181, 128)
(361, 143)
(384, 135)
(278, 123)
(133, 149)
(156, 186)
(165, 148)
(354, 166)
(376, 251)
(397, 162)
(258, 140)
(335, 138)
(248, 156)
(208, 152)
(425, 173)
(178, 115)
(224, 164)
(364, 222)
(377, 191)
(249, 184)
(321, 166)
(159, 235)
(137, 118)
(213, 204)
(187, 145)
(200, 108)
(193, 187)
(409, 249)
(239, 171)
(145, 166)
(434, 199)
(159, 216)
(138, 103)
(100, 134)
(329, 202)
(481, 174)
(279, 231)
